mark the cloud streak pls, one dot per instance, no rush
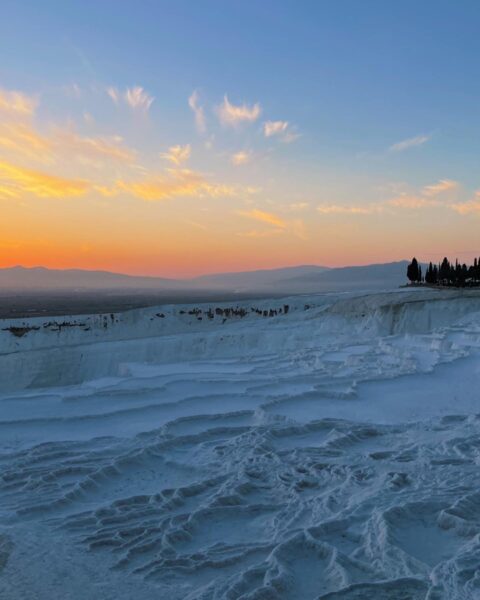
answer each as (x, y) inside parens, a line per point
(340, 209)
(467, 208)
(178, 154)
(266, 233)
(114, 94)
(271, 128)
(198, 111)
(92, 147)
(280, 130)
(432, 195)
(16, 181)
(241, 158)
(412, 142)
(175, 183)
(264, 217)
(444, 185)
(138, 99)
(135, 97)
(22, 140)
(406, 201)
(277, 225)
(17, 103)
(232, 115)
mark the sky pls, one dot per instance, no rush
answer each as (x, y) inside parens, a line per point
(177, 138)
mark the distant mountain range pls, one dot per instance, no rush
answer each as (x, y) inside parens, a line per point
(301, 279)
(43, 278)
(260, 279)
(384, 275)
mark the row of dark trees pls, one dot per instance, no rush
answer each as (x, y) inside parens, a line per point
(445, 273)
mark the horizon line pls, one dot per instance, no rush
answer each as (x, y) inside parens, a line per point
(207, 274)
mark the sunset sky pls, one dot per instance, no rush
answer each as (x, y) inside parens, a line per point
(178, 138)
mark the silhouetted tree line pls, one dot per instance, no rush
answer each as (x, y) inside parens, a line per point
(445, 273)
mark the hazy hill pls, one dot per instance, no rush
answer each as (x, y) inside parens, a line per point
(301, 279)
(374, 276)
(42, 278)
(259, 279)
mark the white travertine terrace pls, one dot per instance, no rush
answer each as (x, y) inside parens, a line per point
(329, 452)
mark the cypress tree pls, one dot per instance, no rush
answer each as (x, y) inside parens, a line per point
(412, 270)
(429, 274)
(432, 274)
(444, 271)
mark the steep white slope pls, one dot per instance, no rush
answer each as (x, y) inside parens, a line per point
(329, 452)
(55, 351)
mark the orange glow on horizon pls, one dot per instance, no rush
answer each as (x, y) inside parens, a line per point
(108, 195)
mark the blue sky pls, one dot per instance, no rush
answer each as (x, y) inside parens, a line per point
(381, 99)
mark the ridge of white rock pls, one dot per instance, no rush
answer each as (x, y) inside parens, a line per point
(321, 446)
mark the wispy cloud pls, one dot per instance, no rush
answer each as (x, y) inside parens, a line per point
(176, 182)
(16, 181)
(178, 154)
(264, 217)
(23, 140)
(444, 185)
(290, 136)
(470, 207)
(17, 103)
(92, 147)
(209, 142)
(198, 111)
(429, 196)
(234, 115)
(106, 190)
(138, 99)
(418, 140)
(182, 183)
(274, 128)
(73, 91)
(84, 60)
(298, 206)
(88, 118)
(281, 130)
(277, 225)
(135, 97)
(114, 94)
(39, 162)
(265, 233)
(406, 201)
(340, 209)
(241, 158)
(196, 224)
(299, 229)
